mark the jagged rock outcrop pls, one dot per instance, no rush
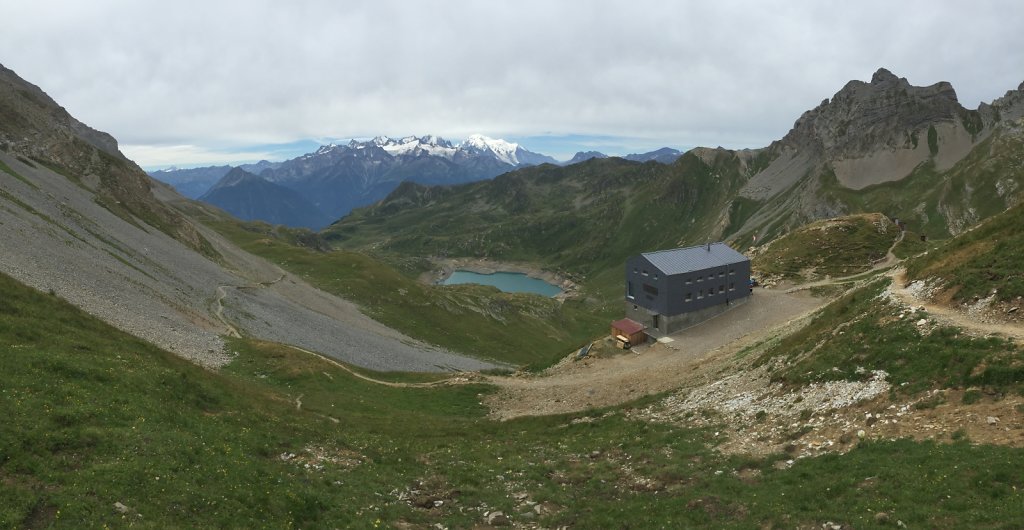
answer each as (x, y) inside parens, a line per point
(880, 133)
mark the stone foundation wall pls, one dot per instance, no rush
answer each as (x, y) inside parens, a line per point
(668, 325)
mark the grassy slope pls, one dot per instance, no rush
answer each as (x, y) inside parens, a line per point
(986, 258)
(863, 330)
(94, 417)
(520, 329)
(835, 247)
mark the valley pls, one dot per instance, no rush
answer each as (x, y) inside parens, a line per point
(168, 364)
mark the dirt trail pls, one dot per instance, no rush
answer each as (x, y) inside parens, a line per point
(649, 369)
(219, 311)
(222, 292)
(461, 379)
(949, 316)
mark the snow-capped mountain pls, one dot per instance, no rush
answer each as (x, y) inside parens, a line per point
(500, 149)
(339, 177)
(507, 152)
(411, 145)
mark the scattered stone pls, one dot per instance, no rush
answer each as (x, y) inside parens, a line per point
(861, 434)
(595, 454)
(121, 508)
(881, 517)
(922, 322)
(1012, 310)
(900, 524)
(992, 420)
(497, 519)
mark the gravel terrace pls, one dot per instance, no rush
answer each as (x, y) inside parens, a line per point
(652, 368)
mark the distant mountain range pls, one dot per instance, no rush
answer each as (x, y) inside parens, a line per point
(250, 198)
(337, 178)
(193, 183)
(583, 156)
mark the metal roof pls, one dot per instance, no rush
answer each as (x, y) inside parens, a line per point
(689, 259)
(628, 326)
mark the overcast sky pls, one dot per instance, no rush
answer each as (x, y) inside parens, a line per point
(195, 83)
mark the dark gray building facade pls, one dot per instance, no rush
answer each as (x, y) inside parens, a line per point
(670, 290)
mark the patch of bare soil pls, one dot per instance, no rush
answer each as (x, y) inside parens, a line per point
(757, 417)
(693, 357)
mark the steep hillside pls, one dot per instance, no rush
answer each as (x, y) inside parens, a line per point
(982, 265)
(36, 130)
(249, 197)
(90, 238)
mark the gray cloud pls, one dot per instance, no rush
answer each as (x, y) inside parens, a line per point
(211, 77)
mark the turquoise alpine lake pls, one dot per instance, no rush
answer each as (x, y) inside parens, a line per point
(510, 282)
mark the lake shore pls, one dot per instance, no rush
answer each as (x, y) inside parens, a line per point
(444, 267)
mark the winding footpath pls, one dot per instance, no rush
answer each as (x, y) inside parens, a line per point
(949, 316)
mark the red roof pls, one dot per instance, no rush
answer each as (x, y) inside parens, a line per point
(628, 326)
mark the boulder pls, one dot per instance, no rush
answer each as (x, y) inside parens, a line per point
(497, 519)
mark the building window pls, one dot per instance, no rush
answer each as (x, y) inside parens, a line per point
(655, 277)
(732, 271)
(700, 294)
(650, 289)
(689, 280)
(689, 296)
(629, 289)
(721, 274)
(721, 288)
(634, 270)
(732, 286)
(700, 278)
(644, 272)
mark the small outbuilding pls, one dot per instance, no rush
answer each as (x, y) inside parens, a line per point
(669, 290)
(632, 330)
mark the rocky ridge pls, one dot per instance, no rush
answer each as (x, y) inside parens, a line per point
(877, 133)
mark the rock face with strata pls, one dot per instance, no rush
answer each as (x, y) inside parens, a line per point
(882, 132)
